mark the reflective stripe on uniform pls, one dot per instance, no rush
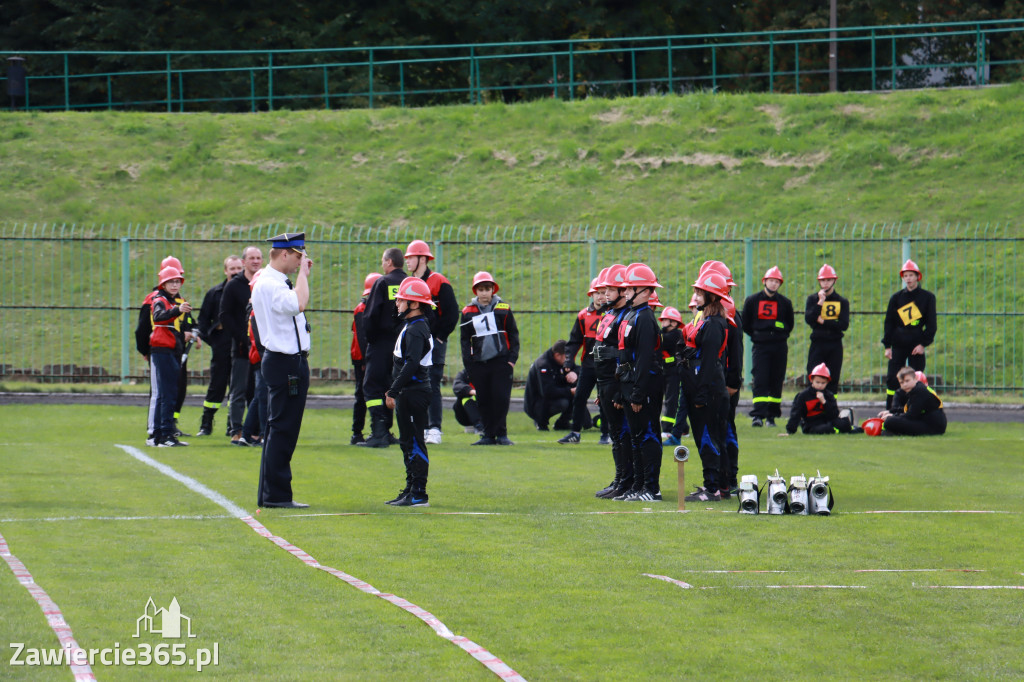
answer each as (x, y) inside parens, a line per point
(768, 399)
(211, 406)
(374, 403)
(668, 420)
(669, 359)
(890, 392)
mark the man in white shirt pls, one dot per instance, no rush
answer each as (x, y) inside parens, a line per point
(278, 306)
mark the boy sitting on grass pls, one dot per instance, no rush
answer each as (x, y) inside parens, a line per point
(916, 409)
(815, 408)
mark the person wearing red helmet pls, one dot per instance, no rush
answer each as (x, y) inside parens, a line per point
(232, 316)
(382, 328)
(606, 361)
(916, 409)
(909, 327)
(673, 418)
(703, 368)
(490, 349)
(828, 315)
(169, 320)
(582, 337)
(409, 393)
(357, 353)
(443, 322)
(815, 410)
(768, 320)
(212, 332)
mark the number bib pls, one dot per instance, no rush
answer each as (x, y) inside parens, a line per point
(484, 324)
(393, 291)
(910, 314)
(767, 310)
(830, 310)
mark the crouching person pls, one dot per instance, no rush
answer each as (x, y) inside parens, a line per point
(815, 409)
(916, 409)
(409, 395)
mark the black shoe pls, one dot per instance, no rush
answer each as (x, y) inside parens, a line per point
(485, 440)
(573, 437)
(503, 440)
(562, 425)
(401, 495)
(391, 439)
(626, 494)
(770, 422)
(171, 442)
(414, 500)
(542, 427)
(605, 440)
(376, 442)
(607, 489)
(286, 505)
(204, 431)
(756, 422)
(357, 439)
(178, 433)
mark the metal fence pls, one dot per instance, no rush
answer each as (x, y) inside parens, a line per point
(70, 293)
(868, 58)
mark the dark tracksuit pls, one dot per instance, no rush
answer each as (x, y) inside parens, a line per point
(917, 413)
(410, 389)
(443, 322)
(382, 327)
(211, 331)
(357, 352)
(910, 320)
(490, 341)
(827, 337)
(703, 383)
(581, 340)
(733, 380)
(232, 317)
(768, 321)
(179, 399)
(815, 417)
(166, 343)
(642, 382)
(547, 392)
(466, 408)
(606, 361)
(673, 418)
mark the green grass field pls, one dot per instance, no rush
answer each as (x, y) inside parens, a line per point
(538, 578)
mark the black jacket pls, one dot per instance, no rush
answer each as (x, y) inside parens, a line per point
(545, 382)
(767, 318)
(705, 373)
(641, 348)
(446, 317)
(910, 319)
(920, 401)
(807, 410)
(606, 346)
(836, 314)
(408, 373)
(381, 319)
(209, 326)
(734, 354)
(232, 317)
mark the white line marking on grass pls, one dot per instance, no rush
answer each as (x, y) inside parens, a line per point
(857, 570)
(172, 517)
(933, 511)
(688, 586)
(489, 660)
(54, 617)
(971, 587)
(680, 583)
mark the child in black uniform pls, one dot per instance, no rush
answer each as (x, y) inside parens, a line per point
(828, 315)
(409, 395)
(815, 408)
(916, 409)
(910, 325)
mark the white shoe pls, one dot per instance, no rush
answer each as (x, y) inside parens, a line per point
(432, 437)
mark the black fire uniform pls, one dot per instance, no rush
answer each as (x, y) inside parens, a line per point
(466, 408)
(910, 320)
(211, 331)
(642, 382)
(357, 352)
(232, 317)
(410, 389)
(673, 418)
(490, 342)
(606, 362)
(581, 341)
(733, 380)
(702, 370)
(442, 324)
(547, 392)
(827, 336)
(814, 416)
(382, 327)
(768, 320)
(917, 413)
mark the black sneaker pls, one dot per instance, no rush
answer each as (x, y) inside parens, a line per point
(413, 500)
(541, 427)
(605, 440)
(391, 439)
(485, 440)
(171, 442)
(401, 495)
(503, 440)
(204, 431)
(356, 439)
(626, 494)
(375, 442)
(770, 422)
(756, 422)
(603, 492)
(702, 494)
(644, 495)
(573, 437)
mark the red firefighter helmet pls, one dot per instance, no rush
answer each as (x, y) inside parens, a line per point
(670, 313)
(484, 276)
(719, 267)
(911, 266)
(418, 247)
(872, 427)
(654, 301)
(599, 280)
(368, 282)
(827, 272)
(820, 370)
(616, 277)
(773, 273)
(175, 263)
(414, 289)
(167, 274)
(921, 377)
(639, 275)
(693, 301)
(712, 283)
(593, 286)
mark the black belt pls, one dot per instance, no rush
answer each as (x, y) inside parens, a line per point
(302, 353)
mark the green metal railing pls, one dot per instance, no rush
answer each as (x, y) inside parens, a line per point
(869, 58)
(69, 294)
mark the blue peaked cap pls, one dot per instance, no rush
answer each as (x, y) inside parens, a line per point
(289, 240)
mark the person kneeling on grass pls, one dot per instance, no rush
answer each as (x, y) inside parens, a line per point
(916, 409)
(815, 408)
(409, 395)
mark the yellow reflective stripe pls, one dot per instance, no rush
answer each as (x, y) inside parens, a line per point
(669, 359)
(211, 406)
(668, 420)
(374, 403)
(888, 392)
(768, 399)
(177, 414)
(463, 401)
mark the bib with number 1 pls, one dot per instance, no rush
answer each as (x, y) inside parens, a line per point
(484, 324)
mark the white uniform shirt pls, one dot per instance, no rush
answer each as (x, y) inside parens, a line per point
(277, 313)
